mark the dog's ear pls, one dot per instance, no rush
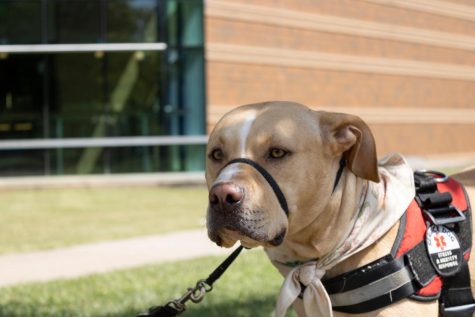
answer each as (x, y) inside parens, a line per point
(351, 137)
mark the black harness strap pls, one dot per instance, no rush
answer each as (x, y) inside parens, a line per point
(389, 279)
(268, 177)
(356, 291)
(456, 299)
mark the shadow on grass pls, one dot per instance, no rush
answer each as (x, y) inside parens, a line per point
(257, 307)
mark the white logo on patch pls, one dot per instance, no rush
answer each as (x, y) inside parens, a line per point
(444, 250)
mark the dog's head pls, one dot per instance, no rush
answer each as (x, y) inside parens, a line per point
(299, 148)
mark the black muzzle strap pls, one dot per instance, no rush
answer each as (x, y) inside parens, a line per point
(268, 177)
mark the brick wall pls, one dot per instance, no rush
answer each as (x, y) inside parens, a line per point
(407, 68)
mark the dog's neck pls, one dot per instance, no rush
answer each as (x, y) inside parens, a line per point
(331, 224)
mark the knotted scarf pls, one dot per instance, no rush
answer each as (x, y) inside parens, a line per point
(381, 205)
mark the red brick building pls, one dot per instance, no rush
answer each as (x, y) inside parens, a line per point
(406, 67)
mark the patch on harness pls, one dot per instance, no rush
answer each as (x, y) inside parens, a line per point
(444, 250)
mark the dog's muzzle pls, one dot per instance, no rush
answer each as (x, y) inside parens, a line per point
(229, 198)
(268, 177)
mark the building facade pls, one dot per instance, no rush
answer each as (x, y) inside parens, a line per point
(406, 67)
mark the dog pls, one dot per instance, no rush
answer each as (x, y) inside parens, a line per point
(300, 150)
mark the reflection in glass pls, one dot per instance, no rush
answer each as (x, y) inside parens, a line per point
(74, 21)
(132, 21)
(20, 22)
(102, 94)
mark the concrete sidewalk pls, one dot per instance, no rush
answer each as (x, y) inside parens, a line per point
(101, 180)
(72, 262)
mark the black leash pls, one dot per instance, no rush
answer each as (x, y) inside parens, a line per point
(196, 294)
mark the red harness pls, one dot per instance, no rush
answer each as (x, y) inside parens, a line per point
(428, 261)
(416, 228)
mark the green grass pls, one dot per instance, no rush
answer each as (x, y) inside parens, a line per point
(42, 219)
(248, 288)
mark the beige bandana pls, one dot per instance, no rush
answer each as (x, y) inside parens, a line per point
(381, 206)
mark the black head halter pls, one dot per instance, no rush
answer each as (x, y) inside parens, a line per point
(268, 177)
(273, 184)
(339, 173)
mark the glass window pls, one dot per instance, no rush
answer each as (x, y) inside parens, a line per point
(22, 96)
(186, 87)
(192, 23)
(20, 22)
(78, 89)
(24, 162)
(76, 21)
(184, 23)
(77, 161)
(133, 84)
(132, 21)
(102, 94)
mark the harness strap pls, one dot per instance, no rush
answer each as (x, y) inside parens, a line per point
(381, 282)
(397, 276)
(456, 299)
(373, 286)
(385, 281)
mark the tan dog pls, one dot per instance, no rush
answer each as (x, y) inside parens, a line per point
(301, 149)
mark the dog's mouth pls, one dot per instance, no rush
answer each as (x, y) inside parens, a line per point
(229, 235)
(278, 239)
(251, 226)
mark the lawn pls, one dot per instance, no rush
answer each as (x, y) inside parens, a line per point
(42, 219)
(248, 288)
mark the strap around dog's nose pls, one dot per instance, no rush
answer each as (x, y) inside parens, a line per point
(268, 177)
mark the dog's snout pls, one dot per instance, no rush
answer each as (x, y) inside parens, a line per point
(226, 196)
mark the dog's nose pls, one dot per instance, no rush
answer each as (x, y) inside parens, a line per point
(226, 196)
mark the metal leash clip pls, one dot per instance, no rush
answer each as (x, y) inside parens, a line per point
(195, 294)
(198, 293)
(177, 306)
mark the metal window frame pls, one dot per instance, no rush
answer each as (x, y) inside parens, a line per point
(75, 48)
(130, 141)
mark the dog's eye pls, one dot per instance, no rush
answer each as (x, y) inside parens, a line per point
(217, 154)
(277, 153)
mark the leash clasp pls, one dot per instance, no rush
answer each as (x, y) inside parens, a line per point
(197, 293)
(178, 306)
